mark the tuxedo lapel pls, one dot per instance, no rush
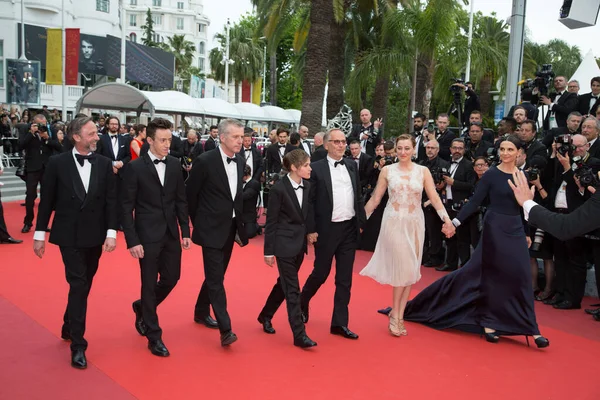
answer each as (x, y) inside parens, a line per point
(223, 180)
(93, 184)
(292, 194)
(153, 171)
(76, 179)
(305, 199)
(327, 177)
(108, 143)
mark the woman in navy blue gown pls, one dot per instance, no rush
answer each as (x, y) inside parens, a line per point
(491, 293)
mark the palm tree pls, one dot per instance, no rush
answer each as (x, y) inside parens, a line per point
(183, 51)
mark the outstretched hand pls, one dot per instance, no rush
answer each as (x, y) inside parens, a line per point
(521, 188)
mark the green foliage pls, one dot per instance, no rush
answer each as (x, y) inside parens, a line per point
(183, 50)
(148, 28)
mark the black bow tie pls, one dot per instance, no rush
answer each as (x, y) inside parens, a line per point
(157, 161)
(594, 97)
(230, 159)
(113, 137)
(81, 158)
(299, 187)
(454, 162)
(282, 146)
(341, 162)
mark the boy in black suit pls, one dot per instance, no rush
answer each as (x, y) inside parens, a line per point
(81, 190)
(155, 191)
(290, 214)
(251, 191)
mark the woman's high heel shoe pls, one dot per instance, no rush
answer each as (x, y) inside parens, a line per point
(402, 328)
(541, 342)
(491, 337)
(393, 327)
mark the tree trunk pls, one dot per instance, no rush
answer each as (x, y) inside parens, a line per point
(485, 98)
(273, 71)
(315, 70)
(425, 71)
(335, 90)
(380, 97)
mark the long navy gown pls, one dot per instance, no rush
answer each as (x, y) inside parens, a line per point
(493, 289)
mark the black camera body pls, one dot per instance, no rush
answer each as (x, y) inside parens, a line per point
(389, 160)
(566, 145)
(533, 174)
(456, 90)
(492, 155)
(438, 173)
(458, 205)
(543, 79)
(586, 175)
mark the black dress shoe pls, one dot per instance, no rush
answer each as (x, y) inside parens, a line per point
(541, 342)
(432, 264)
(343, 331)
(566, 305)
(446, 268)
(65, 334)
(385, 311)
(304, 314)
(207, 321)
(228, 338)
(78, 359)
(267, 326)
(158, 348)
(304, 342)
(557, 298)
(596, 317)
(26, 228)
(592, 311)
(10, 240)
(140, 326)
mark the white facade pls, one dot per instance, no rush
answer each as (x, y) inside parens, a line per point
(171, 17)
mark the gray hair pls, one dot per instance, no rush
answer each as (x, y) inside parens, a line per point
(580, 137)
(574, 114)
(327, 134)
(76, 126)
(596, 122)
(226, 124)
(574, 81)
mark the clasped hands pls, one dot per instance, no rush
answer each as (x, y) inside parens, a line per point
(448, 229)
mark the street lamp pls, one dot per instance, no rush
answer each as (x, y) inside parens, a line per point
(226, 61)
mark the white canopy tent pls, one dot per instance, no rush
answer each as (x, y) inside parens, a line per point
(115, 96)
(586, 71)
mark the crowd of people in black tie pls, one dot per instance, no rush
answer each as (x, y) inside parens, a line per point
(99, 177)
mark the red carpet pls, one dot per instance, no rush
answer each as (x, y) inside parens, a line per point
(427, 364)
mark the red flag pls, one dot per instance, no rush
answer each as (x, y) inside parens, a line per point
(72, 56)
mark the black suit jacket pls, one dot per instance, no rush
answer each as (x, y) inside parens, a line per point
(567, 103)
(365, 168)
(574, 199)
(124, 153)
(157, 208)
(464, 180)
(273, 157)
(80, 220)
(478, 150)
(421, 156)
(37, 151)
(537, 155)
(594, 150)
(287, 224)
(257, 161)
(190, 151)
(583, 105)
(321, 199)
(209, 201)
(568, 226)
(471, 104)
(210, 144)
(553, 133)
(319, 154)
(372, 142)
(250, 195)
(302, 141)
(445, 141)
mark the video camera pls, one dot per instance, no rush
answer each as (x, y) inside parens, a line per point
(456, 90)
(543, 79)
(438, 174)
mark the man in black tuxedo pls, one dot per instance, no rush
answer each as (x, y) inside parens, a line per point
(590, 128)
(459, 186)
(444, 136)
(276, 151)
(320, 151)
(191, 150)
(573, 124)
(560, 103)
(563, 227)
(80, 188)
(155, 193)
(252, 157)
(588, 102)
(214, 193)
(471, 101)
(364, 163)
(475, 117)
(211, 142)
(419, 132)
(304, 143)
(251, 191)
(369, 134)
(339, 215)
(38, 147)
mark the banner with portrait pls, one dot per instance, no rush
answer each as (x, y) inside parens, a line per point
(23, 82)
(35, 43)
(92, 54)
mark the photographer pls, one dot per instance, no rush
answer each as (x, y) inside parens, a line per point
(459, 181)
(419, 134)
(560, 103)
(476, 146)
(368, 134)
(443, 135)
(536, 151)
(471, 101)
(364, 164)
(38, 148)
(572, 128)
(570, 162)
(433, 252)
(475, 117)
(530, 109)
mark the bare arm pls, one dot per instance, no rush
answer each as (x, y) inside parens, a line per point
(378, 193)
(433, 195)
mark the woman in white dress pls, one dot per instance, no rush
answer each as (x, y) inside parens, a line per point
(398, 253)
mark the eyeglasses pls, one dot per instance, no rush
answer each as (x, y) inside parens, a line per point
(480, 165)
(338, 142)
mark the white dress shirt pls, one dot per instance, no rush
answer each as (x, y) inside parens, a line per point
(342, 190)
(85, 172)
(306, 146)
(527, 206)
(161, 168)
(299, 192)
(232, 175)
(114, 140)
(453, 168)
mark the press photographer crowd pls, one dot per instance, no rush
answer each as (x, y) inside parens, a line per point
(560, 158)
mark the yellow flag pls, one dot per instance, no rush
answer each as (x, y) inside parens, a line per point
(257, 91)
(54, 57)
